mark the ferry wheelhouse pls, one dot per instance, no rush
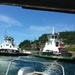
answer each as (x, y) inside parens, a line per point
(8, 45)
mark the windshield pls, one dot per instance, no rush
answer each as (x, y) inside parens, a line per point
(30, 28)
(24, 31)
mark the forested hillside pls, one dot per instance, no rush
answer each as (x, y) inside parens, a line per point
(67, 37)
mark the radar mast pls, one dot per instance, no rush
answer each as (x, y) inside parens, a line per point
(53, 31)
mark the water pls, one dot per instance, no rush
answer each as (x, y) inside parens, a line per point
(69, 68)
(27, 61)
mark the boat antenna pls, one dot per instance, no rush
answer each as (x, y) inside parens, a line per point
(53, 31)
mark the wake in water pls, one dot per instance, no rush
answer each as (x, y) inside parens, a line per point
(15, 64)
(11, 65)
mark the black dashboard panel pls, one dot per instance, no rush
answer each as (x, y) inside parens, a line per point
(49, 5)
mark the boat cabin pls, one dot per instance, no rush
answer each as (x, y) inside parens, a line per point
(8, 45)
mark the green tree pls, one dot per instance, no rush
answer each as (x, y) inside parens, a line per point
(25, 44)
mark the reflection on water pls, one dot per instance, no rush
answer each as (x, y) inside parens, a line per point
(37, 63)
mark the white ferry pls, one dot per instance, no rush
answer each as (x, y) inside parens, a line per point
(55, 46)
(8, 45)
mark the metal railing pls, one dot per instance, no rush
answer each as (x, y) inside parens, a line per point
(52, 65)
(47, 71)
(8, 68)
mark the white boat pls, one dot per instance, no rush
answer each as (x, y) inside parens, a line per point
(53, 69)
(54, 45)
(8, 45)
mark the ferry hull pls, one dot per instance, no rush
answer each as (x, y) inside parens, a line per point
(59, 58)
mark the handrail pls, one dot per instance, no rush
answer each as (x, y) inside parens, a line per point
(61, 67)
(55, 62)
(10, 65)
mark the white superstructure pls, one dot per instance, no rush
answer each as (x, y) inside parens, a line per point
(53, 44)
(9, 46)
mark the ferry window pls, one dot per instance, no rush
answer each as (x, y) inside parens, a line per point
(12, 50)
(9, 39)
(53, 36)
(1, 46)
(56, 36)
(57, 43)
(7, 44)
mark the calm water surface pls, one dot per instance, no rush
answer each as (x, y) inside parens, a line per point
(34, 62)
